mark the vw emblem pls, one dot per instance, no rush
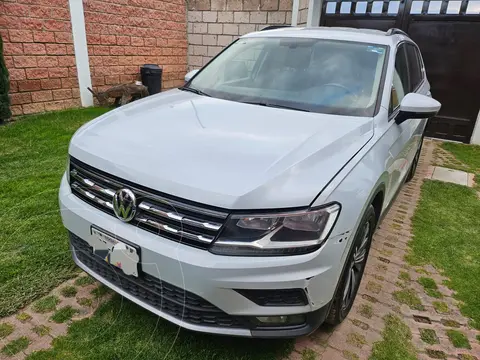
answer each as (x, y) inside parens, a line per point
(124, 204)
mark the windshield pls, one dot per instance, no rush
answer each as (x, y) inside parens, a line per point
(318, 75)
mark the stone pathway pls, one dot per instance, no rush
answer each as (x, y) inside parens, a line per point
(416, 294)
(444, 174)
(34, 327)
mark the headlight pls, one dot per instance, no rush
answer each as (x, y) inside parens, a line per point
(276, 234)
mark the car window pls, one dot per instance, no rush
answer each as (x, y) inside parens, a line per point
(400, 84)
(414, 67)
(317, 75)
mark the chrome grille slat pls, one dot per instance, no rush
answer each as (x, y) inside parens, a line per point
(92, 196)
(178, 232)
(151, 208)
(171, 219)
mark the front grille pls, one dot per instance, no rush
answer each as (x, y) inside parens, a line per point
(278, 297)
(177, 302)
(172, 218)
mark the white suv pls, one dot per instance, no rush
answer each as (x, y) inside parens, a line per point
(244, 203)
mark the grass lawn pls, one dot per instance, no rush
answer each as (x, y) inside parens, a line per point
(34, 252)
(446, 229)
(123, 330)
(467, 154)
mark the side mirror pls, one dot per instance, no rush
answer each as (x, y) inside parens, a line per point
(190, 75)
(417, 106)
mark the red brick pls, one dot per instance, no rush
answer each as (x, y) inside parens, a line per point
(71, 103)
(124, 60)
(43, 36)
(15, 9)
(42, 12)
(72, 71)
(68, 83)
(108, 39)
(150, 42)
(13, 86)
(63, 37)
(25, 61)
(17, 74)
(29, 85)
(34, 49)
(70, 50)
(20, 36)
(47, 61)
(123, 40)
(56, 49)
(137, 41)
(16, 110)
(98, 80)
(37, 73)
(112, 79)
(101, 50)
(57, 72)
(94, 39)
(12, 49)
(110, 60)
(62, 14)
(54, 106)
(20, 98)
(48, 84)
(33, 108)
(40, 96)
(56, 25)
(62, 94)
(127, 78)
(66, 60)
(117, 50)
(76, 93)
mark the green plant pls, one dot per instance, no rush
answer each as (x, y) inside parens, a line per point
(69, 291)
(5, 112)
(429, 336)
(458, 339)
(15, 346)
(5, 330)
(48, 303)
(308, 354)
(64, 314)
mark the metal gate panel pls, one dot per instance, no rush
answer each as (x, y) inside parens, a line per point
(448, 34)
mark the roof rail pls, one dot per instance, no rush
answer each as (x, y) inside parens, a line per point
(395, 31)
(273, 27)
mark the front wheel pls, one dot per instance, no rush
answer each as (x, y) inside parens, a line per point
(353, 271)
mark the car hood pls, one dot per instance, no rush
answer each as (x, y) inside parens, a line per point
(222, 153)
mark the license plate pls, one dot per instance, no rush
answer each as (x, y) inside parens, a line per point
(114, 251)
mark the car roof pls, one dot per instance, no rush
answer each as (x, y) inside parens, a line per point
(333, 33)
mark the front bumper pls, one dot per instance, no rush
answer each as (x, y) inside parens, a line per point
(211, 277)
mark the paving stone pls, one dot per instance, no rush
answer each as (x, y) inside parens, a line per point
(450, 175)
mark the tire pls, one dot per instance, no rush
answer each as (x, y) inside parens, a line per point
(413, 167)
(355, 265)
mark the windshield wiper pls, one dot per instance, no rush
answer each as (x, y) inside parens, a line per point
(193, 90)
(275, 106)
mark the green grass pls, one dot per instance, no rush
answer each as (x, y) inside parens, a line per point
(85, 302)
(41, 330)
(47, 304)
(405, 276)
(467, 154)
(429, 336)
(120, 329)
(6, 329)
(396, 343)
(84, 281)
(23, 316)
(441, 307)
(410, 298)
(15, 346)
(100, 291)
(34, 252)
(458, 339)
(446, 229)
(430, 287)
(64, 314)
(68, 291)
(366, 310)
(308, 354)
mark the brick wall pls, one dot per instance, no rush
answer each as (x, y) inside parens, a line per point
(121, 36)
(302, 12)
(213, 24)
(39, 55)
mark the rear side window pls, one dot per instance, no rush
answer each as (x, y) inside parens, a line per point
(414, 66)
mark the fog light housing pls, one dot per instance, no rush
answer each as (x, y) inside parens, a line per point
(280, 320)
